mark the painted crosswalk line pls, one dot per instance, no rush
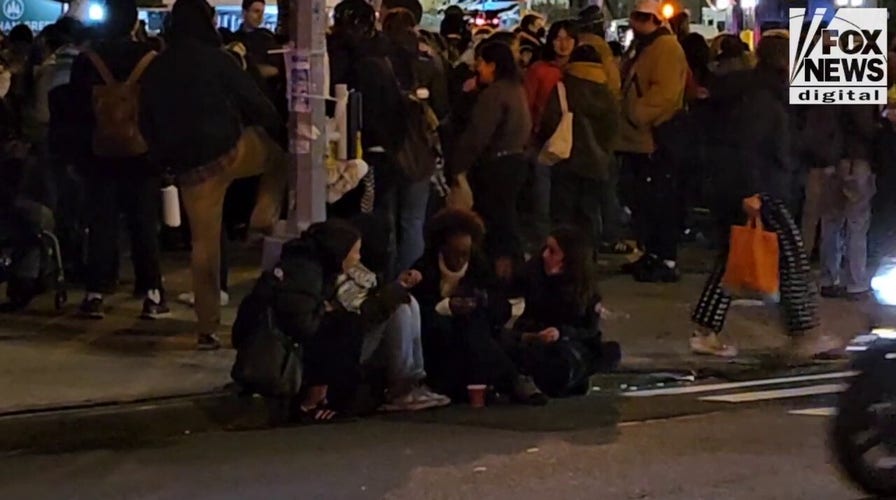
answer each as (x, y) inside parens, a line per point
(815, 412)
(696, 389)
(748, 397)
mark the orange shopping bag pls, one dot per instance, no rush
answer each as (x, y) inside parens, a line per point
(752, 269)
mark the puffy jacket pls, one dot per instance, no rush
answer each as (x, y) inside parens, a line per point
(652, 90)
(595, 120)
(541, 79)
(611, 69)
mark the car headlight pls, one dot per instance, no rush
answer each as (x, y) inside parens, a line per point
(883, 284)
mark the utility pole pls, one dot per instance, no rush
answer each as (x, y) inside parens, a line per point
(308, 179)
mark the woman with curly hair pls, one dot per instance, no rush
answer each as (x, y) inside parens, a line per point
(558, 339)
(461, 314)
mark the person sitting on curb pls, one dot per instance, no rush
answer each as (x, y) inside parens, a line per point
(459, 316)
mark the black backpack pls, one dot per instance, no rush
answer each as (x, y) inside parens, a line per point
(420, 149)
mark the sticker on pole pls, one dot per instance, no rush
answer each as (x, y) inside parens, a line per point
(838, 56)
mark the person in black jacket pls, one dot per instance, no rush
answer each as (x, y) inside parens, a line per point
(462, 311)
(115, 184)
(207, 121)
(301, 293)
(558, 339)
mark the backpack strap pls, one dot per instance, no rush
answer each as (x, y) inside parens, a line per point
(140, 68)
(101, 67)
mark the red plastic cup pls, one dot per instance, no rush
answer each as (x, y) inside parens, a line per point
(477, 395)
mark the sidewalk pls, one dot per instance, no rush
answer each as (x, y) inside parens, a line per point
(54, 361)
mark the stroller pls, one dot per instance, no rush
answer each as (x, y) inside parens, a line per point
(30, 259)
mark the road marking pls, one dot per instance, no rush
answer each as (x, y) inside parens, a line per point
(694, 389)
(746, 397)
(816, 412)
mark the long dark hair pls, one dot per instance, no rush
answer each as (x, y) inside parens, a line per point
(578, 267)
(502, 56)
(569, 27)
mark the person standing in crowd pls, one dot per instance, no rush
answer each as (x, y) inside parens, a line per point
(818, 145)
(541, 79)
(404, 201)
(579, 185)
(653, 93)
(456, 31)
(117, 172)
(257, 39)
(592, 31)
(206, 120)
(847, 207)
(732, 54)
(750, 134)
(531, 35)
(491, 150)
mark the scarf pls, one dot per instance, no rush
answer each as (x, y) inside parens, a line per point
(450, 279)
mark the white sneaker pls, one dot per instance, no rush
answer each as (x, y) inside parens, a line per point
(424, 393)
(189, 298)
(412, 401)
(710, 345)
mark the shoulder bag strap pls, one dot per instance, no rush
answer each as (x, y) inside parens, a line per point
(101, 67)
(140, 68)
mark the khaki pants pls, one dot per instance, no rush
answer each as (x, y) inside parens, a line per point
(813, 206)
(256, 153)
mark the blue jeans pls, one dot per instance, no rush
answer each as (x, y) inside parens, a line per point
(848, 196)
(404, 208)
(397, 344)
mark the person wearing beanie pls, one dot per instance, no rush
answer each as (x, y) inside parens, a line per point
(206, 120)
(114, 185)
(591, 32)
(653, 90)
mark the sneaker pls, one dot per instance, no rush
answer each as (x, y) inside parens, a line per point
(424, 393)
(92, 308)
(189, 299)
(526, 392)
(412, 401)
(710, 345)
(208, 342)
(154, 310)
(656, 271)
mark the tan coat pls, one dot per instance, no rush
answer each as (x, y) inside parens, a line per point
(652, 93)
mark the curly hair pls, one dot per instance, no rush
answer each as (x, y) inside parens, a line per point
(452, 222)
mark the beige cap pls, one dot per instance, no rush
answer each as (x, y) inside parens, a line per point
(654, 7)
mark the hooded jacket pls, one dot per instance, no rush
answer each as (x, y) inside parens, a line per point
(652, 90)
(195, 99)
(595, 120)
(614, 80)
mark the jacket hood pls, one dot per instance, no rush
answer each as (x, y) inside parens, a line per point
(193, 20)
(593, 72)
(326, 242)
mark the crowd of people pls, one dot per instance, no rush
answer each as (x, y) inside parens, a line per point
(408, 285)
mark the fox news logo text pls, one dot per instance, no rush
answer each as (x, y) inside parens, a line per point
(838, 56)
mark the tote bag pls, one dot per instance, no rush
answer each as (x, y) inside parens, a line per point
(559, 146)
(752, 268)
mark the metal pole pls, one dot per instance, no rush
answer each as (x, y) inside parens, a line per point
(308, 198)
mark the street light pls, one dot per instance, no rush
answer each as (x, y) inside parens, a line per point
(668, 11)
(96, 12)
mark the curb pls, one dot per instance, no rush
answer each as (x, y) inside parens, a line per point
(117, 426)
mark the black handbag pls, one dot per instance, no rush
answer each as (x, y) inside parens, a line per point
(268, 362)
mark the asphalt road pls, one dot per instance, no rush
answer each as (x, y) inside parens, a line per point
(592, 448)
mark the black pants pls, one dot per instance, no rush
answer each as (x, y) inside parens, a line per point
(655, 202)
(578, 201)
(332, 357)
(137, 196)
(461, 350)
(496, 186)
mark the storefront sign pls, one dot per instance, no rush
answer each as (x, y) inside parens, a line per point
(36, 14)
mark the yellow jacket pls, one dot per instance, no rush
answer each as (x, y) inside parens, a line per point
(652, 92)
